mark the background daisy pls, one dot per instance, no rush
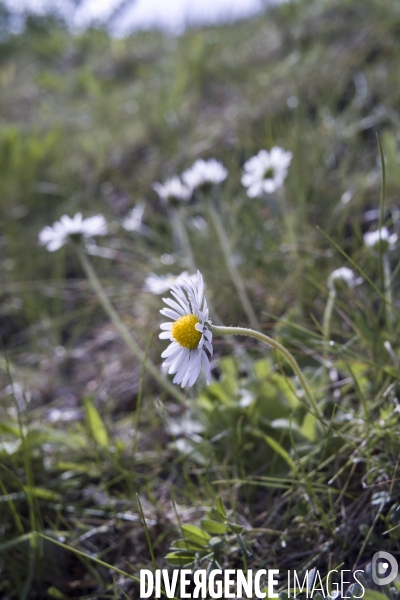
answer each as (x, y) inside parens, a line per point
(66, 228)
(266, 172)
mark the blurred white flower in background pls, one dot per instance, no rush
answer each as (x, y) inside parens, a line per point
(172, 190)
(65, 229)
(187, 332)
(381, 237)
(343, 275)
(133, 221)
(159, 284)
(204, 172)
(266, 172)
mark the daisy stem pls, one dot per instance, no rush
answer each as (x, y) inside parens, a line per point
(122, 328)
(326, 323)
(387, 277)
(178, 225)
(230, 264)
(217, 331)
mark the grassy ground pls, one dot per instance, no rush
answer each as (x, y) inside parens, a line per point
(87, 438)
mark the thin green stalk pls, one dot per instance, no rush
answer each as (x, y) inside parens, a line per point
(230, 264)
(177, 217)
(218, 330)
(180, 234)
(387, 285)
(139, 400)
(122, 328)
(149, 543)
(327, 320)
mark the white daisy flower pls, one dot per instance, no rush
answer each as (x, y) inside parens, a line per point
(188, 333)
(65, 229)
(133, 221)
(159, 284)
(373, 239)
(172, 190)
(343, 275)
(266, 172)
(204, 172)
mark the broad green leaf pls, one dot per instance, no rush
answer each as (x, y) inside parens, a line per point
(213, 527)
(195, 534)
(180, 558)
(95, 424)
(12, 429)
(262, 368)
(235, 528)
(186, 545)
(216, 515)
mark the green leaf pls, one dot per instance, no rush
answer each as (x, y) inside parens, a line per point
(235, 528)
(219, 506)
(95, 424)
(262, 368)
(186, 545)
(180, 558)
(215, 542)
(216, 515)
(283, 385)
(276, 447)
(192, 533)
(309, 427)
(213, 527)
(77, 467)
(53, 592)
(12, 429)
(42, 493)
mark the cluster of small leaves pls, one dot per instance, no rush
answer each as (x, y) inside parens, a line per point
(209, 543)
(256, 418)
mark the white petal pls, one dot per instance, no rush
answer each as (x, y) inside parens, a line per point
(209, 347)
(174, 305)
(207, 334)
(206, 365)
(172, 314)
(170, 350)
(165, 335)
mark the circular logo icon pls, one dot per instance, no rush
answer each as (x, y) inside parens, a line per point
(384, 568)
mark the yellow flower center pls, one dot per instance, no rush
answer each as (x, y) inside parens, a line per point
(184, 332)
